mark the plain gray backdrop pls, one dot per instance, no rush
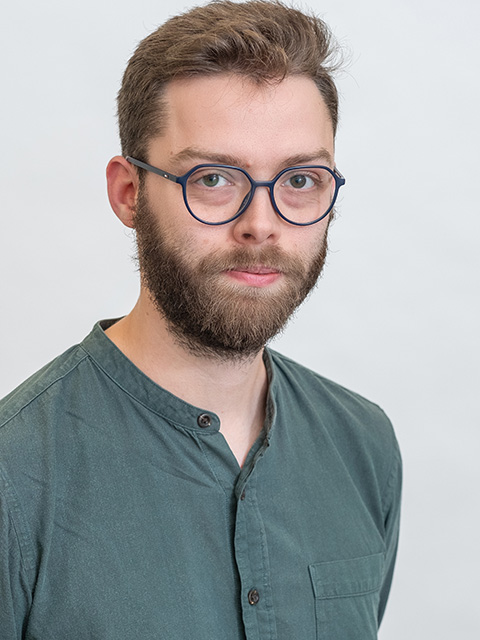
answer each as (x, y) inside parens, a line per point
(396, 315)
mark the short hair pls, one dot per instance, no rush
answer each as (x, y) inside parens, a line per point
(262, 40)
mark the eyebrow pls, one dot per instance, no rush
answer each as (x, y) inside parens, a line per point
(196, 153)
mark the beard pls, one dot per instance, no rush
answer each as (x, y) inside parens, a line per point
(208, 315)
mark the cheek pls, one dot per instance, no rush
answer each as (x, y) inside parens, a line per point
(311, 239)
(166, 201)
(194, 239)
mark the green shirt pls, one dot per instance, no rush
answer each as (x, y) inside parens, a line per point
(125, 515)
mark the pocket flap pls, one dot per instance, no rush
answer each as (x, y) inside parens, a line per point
(342, 578)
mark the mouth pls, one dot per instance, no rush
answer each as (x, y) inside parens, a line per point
(256, 276)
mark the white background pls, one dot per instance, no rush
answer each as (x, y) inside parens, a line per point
(396, 315)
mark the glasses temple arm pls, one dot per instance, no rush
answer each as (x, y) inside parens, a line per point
(151, 168)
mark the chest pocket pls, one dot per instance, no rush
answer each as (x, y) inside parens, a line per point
(346, 597)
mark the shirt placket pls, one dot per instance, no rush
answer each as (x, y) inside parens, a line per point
(251, 555)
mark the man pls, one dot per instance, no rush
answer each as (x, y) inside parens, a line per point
(171, 477)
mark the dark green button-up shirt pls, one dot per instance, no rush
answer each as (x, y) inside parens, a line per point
(124, 514)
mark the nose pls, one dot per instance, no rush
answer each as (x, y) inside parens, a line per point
(259, 223)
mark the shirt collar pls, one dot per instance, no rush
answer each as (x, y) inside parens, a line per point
(134, 382)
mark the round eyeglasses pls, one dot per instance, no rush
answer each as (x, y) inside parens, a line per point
(217, 193)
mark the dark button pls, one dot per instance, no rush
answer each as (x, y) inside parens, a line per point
(242, 497)
(253, 596)
(204, 420)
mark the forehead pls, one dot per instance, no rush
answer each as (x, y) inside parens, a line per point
(258, 124)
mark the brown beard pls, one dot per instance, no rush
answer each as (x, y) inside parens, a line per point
(205, 314)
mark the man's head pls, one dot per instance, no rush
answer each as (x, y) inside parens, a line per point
(229, 84)
(260, 40)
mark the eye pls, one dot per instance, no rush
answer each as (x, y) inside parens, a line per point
(300, 181)
(213, 180)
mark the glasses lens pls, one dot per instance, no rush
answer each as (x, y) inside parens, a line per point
(215, 194)
(304, 194)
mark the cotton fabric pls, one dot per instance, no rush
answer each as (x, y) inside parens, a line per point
(124, 514)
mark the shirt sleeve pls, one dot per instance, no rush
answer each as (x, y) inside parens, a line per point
(14, 595)
(391, 504)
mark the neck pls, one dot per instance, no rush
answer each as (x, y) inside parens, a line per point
(234, 389)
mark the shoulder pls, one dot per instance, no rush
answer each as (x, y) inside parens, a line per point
(49, 381)
(356, 427)
(35, 414)
(325, 395)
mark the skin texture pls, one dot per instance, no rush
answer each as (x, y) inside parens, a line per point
(263, 129)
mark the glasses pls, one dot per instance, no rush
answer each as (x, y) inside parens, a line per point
(217, 193)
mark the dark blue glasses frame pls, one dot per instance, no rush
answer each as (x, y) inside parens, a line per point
(182, 180)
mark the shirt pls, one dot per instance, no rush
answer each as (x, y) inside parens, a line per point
(124, 514)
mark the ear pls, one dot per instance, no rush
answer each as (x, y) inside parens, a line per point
(122, 187)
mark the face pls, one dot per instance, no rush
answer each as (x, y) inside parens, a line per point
(224, 291)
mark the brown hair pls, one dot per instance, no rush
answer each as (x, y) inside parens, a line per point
(261, 39)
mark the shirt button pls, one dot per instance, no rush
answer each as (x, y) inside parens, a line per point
(204, 420)
(253, 596)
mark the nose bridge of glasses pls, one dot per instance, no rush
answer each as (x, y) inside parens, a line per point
(263, 183)
(268, 184)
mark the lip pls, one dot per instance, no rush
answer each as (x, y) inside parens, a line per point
(257, 276)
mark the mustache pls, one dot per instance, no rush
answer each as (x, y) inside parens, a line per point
(271, 257)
